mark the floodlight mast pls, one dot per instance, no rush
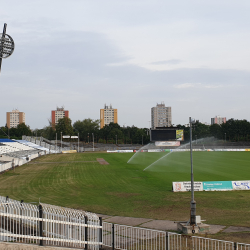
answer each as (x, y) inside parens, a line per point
(193, 202)
(7, 45)
(2, 43)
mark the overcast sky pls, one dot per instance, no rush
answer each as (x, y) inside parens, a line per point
(192, 55)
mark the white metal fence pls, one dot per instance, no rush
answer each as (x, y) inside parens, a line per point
(134, 238)
(186, 242)
(48, 225)
(127, 237)
(57, 226)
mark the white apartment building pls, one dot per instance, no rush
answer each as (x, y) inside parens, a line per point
(14, 118)
(161, 116)
(108, 115)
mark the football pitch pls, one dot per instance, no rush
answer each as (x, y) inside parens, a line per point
(124, 189)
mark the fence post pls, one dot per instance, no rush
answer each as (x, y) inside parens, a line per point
(113, 236)
(166, 241)
(21, 221)
(41, 224)
(100, 233)
(86, 231)
(235, 246)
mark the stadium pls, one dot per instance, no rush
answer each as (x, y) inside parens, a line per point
(126, 180)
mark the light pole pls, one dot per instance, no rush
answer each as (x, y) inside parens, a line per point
(88, 137)
(193, 202)
(93, 142)
(78, 142)
(56, 143)
(116, 139)
(225, 137)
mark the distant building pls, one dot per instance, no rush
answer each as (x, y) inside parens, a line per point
(57, 114)
(14, 118)
(161, 116)
(108, 115)
(218, 120)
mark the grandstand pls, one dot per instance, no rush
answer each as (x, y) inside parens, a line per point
(18, 152)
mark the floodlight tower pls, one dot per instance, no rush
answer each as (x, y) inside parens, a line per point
(7, 45)
(193, 202)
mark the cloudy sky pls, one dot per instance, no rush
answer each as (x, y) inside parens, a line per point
(192, 55)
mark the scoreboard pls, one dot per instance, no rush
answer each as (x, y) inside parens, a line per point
(166, 134)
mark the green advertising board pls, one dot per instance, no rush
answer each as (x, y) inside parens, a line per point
(217, 185)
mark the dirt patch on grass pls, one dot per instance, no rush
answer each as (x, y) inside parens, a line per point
(102, 161)
(123, 195)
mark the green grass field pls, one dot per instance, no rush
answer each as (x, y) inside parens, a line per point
(79, 181)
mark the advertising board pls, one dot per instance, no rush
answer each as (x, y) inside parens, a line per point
(66, 136)
(241, 185)
(154, 150)
(186, 186)
(120, 151)
(125, 151)
(166, 150)
(217, 185)
(69, 152)
(180, 135)
(167, 143)
(211, 186)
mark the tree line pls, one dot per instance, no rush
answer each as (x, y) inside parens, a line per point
(89, 130)
(233, 130)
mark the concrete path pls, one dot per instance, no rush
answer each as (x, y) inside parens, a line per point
(164, 225)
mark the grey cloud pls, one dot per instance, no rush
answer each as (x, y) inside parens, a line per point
(173, 61)
(71, 68)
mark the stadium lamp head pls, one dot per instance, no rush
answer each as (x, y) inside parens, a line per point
(191, 120)
(7, 45)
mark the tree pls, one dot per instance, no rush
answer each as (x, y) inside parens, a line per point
(47, 132)
(215, 130)
(64, 126)
(4, 132)
(23, 129)
(86, 127)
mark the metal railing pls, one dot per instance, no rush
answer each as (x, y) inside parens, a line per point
(48, 225)
(128, 237)
(134, 238)
(186, 242)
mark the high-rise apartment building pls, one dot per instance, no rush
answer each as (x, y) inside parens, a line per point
(161, 116)
(108, 115)
(218, 120)
(57, 114)
(14, 118)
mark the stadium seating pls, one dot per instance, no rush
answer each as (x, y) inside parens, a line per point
(32, 145)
